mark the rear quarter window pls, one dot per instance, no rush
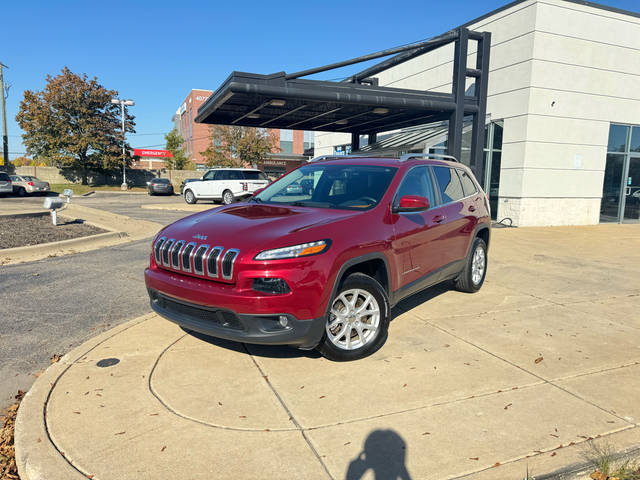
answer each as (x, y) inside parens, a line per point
(4, 177)
(468, 186)
(251, 175)
(449, 184)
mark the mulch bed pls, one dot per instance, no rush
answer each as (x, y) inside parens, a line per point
(23, 231)
(8, 468)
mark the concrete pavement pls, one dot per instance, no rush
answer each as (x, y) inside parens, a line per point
(482, 386)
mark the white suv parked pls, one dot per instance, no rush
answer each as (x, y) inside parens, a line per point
(226, 185)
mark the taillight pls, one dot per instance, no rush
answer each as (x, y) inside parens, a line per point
(30, 184)
(245, 186)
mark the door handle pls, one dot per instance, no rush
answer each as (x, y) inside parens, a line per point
(472, 208)
(439, 218)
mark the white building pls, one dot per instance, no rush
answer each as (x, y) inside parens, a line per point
(564, 101)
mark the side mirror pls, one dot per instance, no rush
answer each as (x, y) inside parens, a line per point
(412, 203)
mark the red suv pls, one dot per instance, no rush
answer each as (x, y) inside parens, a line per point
(321, 267)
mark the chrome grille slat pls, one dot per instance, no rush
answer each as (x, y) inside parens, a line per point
(174, 254)
(157, 249)
(185, 256)
(198, 258)
(212, 262)
(165, 251)
(194, 258)
(226, 265)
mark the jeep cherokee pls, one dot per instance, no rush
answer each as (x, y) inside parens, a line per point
(323, 265)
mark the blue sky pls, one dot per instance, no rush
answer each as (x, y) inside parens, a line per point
(156, 51)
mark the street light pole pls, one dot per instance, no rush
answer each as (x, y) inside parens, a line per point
(122, 104)
(5, 141)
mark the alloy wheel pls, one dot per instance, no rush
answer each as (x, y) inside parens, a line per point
(478, 265)
(353, 320)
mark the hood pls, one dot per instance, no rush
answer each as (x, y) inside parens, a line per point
(255, 226)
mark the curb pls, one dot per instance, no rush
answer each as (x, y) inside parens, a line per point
(37, 458)
(25, 214)
(43, 250)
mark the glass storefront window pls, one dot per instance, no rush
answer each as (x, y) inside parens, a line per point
(617, 138)
(635, 140)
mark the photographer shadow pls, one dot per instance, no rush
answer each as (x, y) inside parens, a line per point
(384, 453)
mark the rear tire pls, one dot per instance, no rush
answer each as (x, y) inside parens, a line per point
(189, 197)
(358, 320)
(227, 197)
(475, 270)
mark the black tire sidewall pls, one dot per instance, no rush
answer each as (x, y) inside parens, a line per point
(362, 282)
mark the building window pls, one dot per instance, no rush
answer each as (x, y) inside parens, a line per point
(309, 138)
(492, 163)
(286, 141)
(621, 187)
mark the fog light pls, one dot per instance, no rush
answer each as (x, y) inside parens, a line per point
(270, 285)
(284, 321)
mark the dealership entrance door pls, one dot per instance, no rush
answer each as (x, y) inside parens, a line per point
(621, 189)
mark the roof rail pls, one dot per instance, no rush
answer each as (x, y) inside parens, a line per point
(437, 156)
(339, 157)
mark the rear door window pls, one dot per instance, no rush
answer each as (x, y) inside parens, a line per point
(468, 186)
(235, 175)
(222, 175)
(449, 184)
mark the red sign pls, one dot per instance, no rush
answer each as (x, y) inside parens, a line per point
(143, 152)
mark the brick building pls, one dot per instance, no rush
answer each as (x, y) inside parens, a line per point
(197, 136)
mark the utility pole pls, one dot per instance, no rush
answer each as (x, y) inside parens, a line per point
(5, 138)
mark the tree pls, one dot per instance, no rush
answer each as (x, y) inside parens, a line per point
(174, 144)
(233, 146)
(73, 123)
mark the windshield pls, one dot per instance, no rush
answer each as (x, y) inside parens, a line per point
(160, 180)
(352, 187)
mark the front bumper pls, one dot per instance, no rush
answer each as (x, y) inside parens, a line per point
(223, 323)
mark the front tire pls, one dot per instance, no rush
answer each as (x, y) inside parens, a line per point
(190, 197)
(475, 271)
(22, 192)
(358, 320)
(227, 197)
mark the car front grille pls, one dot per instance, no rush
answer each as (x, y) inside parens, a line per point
(195, 259)
(211, 315)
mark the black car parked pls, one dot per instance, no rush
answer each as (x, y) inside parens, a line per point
(160, 186)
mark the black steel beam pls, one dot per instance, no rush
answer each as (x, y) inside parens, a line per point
(432, 43)
(427, 46)
(355, 141)
(454, 139)
(481, 84)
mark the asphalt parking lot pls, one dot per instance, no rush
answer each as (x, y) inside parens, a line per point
(52, 305)
(520, 375)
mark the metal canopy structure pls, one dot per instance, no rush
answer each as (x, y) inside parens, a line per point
(358, 105)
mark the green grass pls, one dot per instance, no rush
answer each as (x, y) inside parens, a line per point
(602, 457)
(82, 189)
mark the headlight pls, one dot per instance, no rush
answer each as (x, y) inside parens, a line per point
(302, 250)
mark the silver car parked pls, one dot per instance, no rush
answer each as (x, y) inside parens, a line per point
(5, 184)
(28, 184)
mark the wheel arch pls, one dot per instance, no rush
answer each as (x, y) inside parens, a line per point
(374, 265)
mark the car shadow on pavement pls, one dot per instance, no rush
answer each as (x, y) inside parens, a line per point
(384, 452)
(268, 351)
